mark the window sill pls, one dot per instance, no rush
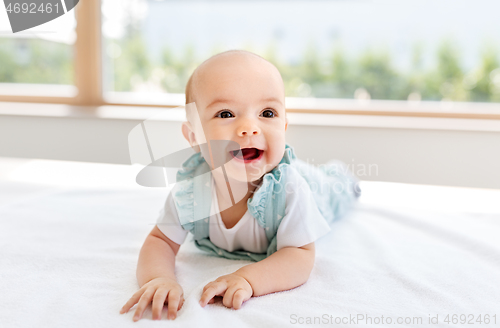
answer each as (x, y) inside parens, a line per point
(443, 109)
(38, 93)
(65, 94)
(312, 119)
(38, 90)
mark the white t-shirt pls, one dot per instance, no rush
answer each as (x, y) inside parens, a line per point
(301, 225)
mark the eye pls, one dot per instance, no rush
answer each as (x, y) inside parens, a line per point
(269, 113)
(224, 114)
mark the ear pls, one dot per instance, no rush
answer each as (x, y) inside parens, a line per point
(187, 131)
(286, 122)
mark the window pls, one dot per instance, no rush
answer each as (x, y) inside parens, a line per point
(385, 57)
(392, 50)
(41, 57)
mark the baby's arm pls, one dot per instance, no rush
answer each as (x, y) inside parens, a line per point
(157, 257)
(155, 275)
(283, 270)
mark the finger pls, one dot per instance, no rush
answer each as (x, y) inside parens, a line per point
(174, 298)
(239, 297)
(214, 289)
(143, 303)
(207, 285)
(158, 302)
(227, 300)
(204, 293)
(210, 284)
(181, 303)
(134, 299)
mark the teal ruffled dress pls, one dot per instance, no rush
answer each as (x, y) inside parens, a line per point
(334, 189)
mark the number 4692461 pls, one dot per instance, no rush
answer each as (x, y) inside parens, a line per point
(31, 8)
(471, 319)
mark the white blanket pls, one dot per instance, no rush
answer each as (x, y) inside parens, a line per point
(69, 254)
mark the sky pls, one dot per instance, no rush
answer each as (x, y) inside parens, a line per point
(293, 25)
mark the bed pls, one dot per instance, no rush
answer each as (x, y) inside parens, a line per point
(70, 235)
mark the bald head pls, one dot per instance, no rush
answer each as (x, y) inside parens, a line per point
(237, 96)
(207, 70)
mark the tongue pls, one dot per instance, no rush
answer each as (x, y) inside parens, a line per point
(250, 153)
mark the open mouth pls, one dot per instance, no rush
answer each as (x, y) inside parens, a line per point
(247, 154)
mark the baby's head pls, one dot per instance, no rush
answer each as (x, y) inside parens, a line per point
(240, 98)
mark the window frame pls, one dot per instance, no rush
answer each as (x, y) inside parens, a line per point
(89, 89)
(86, 65)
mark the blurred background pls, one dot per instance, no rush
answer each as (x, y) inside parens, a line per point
(397, 50)
(412, 86)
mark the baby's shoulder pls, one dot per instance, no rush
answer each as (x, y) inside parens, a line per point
(294, 179)
(292, 173)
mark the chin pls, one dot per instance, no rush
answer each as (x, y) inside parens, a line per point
(244, 174)
(247, 178)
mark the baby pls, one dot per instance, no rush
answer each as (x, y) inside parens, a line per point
(257, 201)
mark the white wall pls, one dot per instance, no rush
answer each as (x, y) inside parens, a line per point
(440, 157)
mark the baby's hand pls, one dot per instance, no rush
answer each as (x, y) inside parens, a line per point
(233, 287)
(157, 290)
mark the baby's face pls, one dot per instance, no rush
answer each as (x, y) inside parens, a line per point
(240, 98)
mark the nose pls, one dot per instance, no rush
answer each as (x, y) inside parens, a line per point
(248, 127)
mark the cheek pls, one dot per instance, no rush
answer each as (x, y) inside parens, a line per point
(276, 153)
(217, 132)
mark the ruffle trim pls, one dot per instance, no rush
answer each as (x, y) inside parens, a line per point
(184, 189)
(184, 199)
(257, 204)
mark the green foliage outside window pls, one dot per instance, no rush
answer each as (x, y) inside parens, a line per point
(35, 61)
(336, 75)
